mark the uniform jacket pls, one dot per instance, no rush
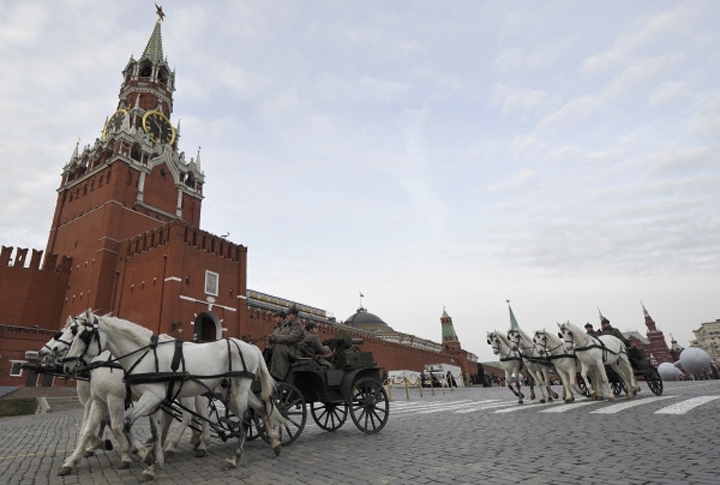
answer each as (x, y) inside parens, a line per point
(616, 333)
(314, 346)
(290, 332)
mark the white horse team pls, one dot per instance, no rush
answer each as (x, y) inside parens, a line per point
(228, 366)
(575, 352)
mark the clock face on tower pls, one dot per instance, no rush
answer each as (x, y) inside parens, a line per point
(158, 127)
(115, 122)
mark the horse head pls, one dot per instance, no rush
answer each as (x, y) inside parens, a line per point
(566, 333)
(84, 331)
(494, 342)
(540, 341)
(514, 338)
(55, 348)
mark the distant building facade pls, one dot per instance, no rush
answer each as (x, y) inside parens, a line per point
(707, 337)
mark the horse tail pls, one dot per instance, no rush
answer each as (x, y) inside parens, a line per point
(267, 385)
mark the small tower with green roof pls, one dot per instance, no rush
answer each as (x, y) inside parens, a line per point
(450, 340)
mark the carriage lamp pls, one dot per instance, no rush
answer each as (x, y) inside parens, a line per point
(176, 327)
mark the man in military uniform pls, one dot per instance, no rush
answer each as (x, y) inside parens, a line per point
(608, 329)
(286, 337)
(312, 342)
(589, 330)
(279, 319)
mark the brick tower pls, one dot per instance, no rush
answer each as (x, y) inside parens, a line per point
(131, 180)
(658, 347)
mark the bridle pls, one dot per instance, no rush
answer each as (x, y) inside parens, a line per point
(87, 335)
(542, 339)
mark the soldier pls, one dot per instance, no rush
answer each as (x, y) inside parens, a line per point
(589, 330)
(608, 329)
(286, 337)
(279, 318)
(315, 348)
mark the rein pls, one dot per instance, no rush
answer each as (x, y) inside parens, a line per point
(553, 355)
(157, 377)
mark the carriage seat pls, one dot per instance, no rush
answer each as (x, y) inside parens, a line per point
(636, 356)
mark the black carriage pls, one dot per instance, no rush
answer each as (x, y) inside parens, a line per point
(642, 369)
(349, 382)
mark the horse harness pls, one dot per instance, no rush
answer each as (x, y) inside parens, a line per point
(552, 356)
(598, 344)
(91, 333)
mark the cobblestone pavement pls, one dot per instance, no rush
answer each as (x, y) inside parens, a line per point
(478, 436)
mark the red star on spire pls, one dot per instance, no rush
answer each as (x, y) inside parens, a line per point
(159, 12)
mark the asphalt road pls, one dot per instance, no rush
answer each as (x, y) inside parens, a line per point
(466, 436)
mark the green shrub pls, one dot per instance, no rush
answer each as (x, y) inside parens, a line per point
(16, 407)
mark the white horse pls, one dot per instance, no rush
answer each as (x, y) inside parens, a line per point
(152, 367)
(536, 364)
(566, 364)
(511, 362)
(104, 395)
(596, 352)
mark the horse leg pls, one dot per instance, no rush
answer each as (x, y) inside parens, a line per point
(583, 374)
(604, 384)
(116, 409)
(536, 376)
(566, 377)
(509, 384)
(94, 415)
(201, 408)
(238, 404)
(551, 394)
(531, 383)
(167, 419)
(625, 374)
(149, 404)
(567, 391)
(157, 449)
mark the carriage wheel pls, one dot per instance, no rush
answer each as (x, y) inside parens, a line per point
(330, 416)
(617, 386)
(369, 405)
(291, 404)
(654, 381)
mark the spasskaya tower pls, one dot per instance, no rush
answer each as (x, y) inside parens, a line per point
(132, 179)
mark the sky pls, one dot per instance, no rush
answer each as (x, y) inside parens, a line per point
(562, 155)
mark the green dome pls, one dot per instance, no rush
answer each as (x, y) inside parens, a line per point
(366, 321)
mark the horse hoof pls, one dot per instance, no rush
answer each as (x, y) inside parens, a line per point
(88, 453)
(195, 445)
(277, 449)
(64, 471)
(200, 453)
(228, 466)
(147, 476)
(169, 453)
(108, 445)
(611, 398)
(124, 465)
